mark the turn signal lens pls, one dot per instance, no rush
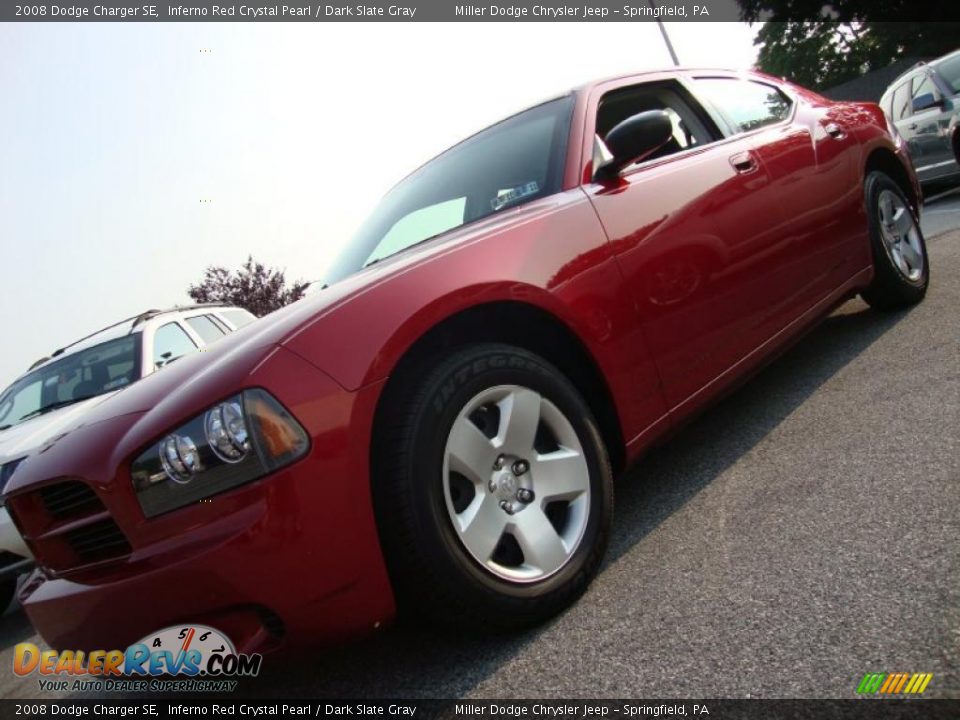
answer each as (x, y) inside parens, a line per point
(279, 437)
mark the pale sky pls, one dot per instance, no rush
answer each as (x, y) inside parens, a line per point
(114, 133)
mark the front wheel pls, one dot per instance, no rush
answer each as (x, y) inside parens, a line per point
(493, 491)
(901, 268)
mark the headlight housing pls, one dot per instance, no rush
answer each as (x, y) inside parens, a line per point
(232, 443)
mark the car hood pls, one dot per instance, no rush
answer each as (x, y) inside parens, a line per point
(154, 405)
(163, 399)
(26, 437)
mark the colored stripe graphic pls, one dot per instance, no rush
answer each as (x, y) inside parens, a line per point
(871, 683)
(894, 683)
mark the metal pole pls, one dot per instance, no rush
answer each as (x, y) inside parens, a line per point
(666, 38)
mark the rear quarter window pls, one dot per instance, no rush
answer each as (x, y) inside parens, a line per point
(206, 328)
(237, 317)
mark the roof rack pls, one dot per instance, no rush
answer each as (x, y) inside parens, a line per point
(149, 314)
(137, 320)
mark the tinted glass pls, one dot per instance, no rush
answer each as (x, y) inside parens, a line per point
(83, 374)
(923, 85)
(169, 343)
(749, 105)
(504, 166)
(208, 330)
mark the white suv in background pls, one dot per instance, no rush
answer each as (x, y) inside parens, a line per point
(55, 392)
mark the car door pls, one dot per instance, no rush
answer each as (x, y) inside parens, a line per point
(698, 235)
(929, 127)
(903, 119)
(810, 152)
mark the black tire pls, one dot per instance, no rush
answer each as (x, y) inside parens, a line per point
(890, 289)
(434, 577)
(7, 590)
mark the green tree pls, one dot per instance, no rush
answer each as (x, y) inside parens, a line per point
(259, 289)
(821, 44)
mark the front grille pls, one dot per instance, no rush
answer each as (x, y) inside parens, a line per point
(69, 498)
(101, 540)
(67, 526)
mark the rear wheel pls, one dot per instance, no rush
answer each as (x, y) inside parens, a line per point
(901, 270)
(493, 491)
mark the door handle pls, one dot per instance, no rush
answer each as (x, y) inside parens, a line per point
(743, 163)
(912, 126)
(834, 131)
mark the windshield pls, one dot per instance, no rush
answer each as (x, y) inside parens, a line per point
(506, 165)
(99, 369)
(950, 71)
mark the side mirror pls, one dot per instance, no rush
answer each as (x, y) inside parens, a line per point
(926, 101)
(634, 139)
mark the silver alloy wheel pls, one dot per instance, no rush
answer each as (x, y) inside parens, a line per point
(901, 237)
(516, 483)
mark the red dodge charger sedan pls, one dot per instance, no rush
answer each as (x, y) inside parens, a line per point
(437, 431)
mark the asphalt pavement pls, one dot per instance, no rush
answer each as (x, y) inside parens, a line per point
(941, 211)
(799, 534)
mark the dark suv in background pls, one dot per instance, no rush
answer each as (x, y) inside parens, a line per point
(924, 105)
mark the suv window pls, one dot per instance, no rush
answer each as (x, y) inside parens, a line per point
(901, 102)
(206, 328)
(746, 103)
(69, 378)
(238, 317)
(169, 343)
(949, 72)
(923, 85)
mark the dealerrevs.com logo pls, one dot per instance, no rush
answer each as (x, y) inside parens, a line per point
(178, 658)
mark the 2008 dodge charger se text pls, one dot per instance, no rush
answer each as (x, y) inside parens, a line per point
(438, 429)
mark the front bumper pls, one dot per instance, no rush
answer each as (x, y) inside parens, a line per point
(291, 559)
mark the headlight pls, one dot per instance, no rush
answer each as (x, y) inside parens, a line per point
(234, 442)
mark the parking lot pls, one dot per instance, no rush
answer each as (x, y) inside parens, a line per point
(798, 535)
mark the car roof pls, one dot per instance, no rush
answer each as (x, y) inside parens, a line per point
(918, 66)
(682, 70)
(130, 326)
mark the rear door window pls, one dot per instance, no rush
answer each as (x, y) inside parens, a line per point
(901, 102)
(746, 104)
(169, 343)
(923, 86)
(206, 328)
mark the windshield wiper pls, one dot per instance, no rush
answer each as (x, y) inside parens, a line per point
(53, 406)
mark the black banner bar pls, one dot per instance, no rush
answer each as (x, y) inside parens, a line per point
(576, 709)
(407, 11)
